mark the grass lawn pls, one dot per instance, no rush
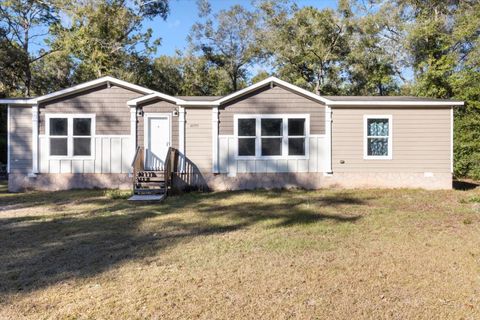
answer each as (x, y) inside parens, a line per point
(349, 254)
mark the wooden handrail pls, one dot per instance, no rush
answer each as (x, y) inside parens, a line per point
(137, 163)
(169, 167)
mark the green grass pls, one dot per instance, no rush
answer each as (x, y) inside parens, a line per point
(257, 254)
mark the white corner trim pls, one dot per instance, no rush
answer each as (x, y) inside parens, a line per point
(328, 138)
(181, 138)
(267, 81)
(133, 132)
(215, 168)
(451, 139)
(35, 139)
(9, 128)
(390, 136)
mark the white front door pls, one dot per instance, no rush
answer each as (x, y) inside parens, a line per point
(158, 142)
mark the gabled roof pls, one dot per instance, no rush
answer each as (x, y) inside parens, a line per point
(79, 88)
(267, 82)
(212, 101)
(153, 96)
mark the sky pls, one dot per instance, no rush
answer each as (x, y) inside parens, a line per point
(184, 13)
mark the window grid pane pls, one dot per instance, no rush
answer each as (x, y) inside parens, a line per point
(58, 126)
(296, 127)
(272, 146)
(246, 146)
(58, 146)
(272, 127)
(378, 146)
(82, 126)
(247, 127)
(296, 146)
(377, 127)
(82, 146)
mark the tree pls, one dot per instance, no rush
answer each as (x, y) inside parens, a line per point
(372, 65)
(201, 77)
(22, 23)
(314, 42)
(228, 42)
(107, 37)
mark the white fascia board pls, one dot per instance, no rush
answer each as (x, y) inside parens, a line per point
(276, 81)
(200, 103)
(152, 96)
(396, 103)
(92, 84)
(18, 101)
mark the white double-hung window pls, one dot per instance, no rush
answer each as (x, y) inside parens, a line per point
(272, 136)
(70, 135)
(377, 137)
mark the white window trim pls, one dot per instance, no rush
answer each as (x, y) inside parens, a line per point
(70, 117)
(366, 117)
(258, 136)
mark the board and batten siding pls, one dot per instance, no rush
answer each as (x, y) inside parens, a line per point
(112, 114)
(198, 138)
(111, 154)
(316, 162)
(158, 107)
(20, 131)
(421, 140)
(276, 100)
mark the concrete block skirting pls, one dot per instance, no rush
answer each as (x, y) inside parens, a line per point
(243, 181)
(248, 181)
(65, 181)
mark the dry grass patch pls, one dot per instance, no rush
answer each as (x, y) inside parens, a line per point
(266, 254)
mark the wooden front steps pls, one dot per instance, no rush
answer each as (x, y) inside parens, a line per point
(149, 186)
(152, 185)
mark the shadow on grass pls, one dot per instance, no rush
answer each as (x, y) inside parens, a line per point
(39, 251)
(464, 185)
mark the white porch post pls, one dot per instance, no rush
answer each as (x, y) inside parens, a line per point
(8, 139)
(215, 140)
(34, 140)
(328, 138)
(451, 139)
(181, 137)
(133, 130)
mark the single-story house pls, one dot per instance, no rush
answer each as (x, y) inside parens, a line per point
(108, 133)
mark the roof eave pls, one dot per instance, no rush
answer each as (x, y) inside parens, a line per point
(18, 101)
(152, 96)
(395, 103)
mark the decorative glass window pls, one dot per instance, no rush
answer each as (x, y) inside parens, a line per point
(272, 136)
(70, 135)
(378, 137)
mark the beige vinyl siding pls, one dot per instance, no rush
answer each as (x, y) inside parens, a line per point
(420, 140)
(20, 139)
(108, 104)
(198, 138)
(158, 107)
(270, 101)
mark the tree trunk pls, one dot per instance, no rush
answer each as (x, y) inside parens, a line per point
(27, 70)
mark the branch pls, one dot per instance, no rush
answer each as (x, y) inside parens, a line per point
(42, 55)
